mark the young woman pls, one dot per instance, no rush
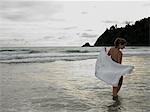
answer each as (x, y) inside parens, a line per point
(116, 55)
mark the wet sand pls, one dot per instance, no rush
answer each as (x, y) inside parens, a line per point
(70, 86)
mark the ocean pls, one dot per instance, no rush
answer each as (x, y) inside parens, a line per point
(51, 54)
(62, 79)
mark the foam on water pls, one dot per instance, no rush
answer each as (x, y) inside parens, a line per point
(50, 54)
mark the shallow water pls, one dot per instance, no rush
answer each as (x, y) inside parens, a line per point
(70, 86)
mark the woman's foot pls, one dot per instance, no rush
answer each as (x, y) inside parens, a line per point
(115, 98)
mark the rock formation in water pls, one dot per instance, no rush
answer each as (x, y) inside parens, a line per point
(86, 45)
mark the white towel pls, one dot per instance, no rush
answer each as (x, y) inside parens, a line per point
(108, 70)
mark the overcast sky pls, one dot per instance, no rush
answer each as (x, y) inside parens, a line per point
(63, 23)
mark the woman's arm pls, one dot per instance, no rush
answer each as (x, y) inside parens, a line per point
(119, 59)
(109, 52)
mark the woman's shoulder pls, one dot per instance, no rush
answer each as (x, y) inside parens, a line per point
(113, 49)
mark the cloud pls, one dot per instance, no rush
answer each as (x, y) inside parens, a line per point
(109, 21)
(28, 10)
(63, 28)
(69, 28)
(12, 40)
(88, 35)
(84, 12)
(88, 30)
(47, 37)
(56, 19)
(146, 5)
(117, 22)
(127, 22)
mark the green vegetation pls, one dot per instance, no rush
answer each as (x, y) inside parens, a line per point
(137, 34)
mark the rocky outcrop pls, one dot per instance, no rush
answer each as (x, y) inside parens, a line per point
(137, 34)
(86, 45)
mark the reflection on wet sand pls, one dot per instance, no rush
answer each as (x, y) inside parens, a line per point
(72, 87)
(115, 106)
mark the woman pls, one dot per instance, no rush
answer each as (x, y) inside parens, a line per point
(116, 55)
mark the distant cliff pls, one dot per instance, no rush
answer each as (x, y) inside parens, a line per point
(86, 45)
(137, 34)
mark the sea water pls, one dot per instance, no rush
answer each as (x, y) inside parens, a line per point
(62, 79)
(51, 54)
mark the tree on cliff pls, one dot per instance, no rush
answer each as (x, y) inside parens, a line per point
(137, 34)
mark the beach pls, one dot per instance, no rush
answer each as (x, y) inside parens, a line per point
(71, 86)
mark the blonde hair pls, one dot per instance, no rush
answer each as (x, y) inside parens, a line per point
(119, 40)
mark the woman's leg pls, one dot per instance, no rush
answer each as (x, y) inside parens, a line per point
(115, 90)
(120, 84)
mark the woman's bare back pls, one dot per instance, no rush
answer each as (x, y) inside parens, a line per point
(115, 54)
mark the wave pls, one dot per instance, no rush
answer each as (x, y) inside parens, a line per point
(46, 59)
(38, 57)
(21, 51)
(76, 51)
(43, 55)
(11, 50)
